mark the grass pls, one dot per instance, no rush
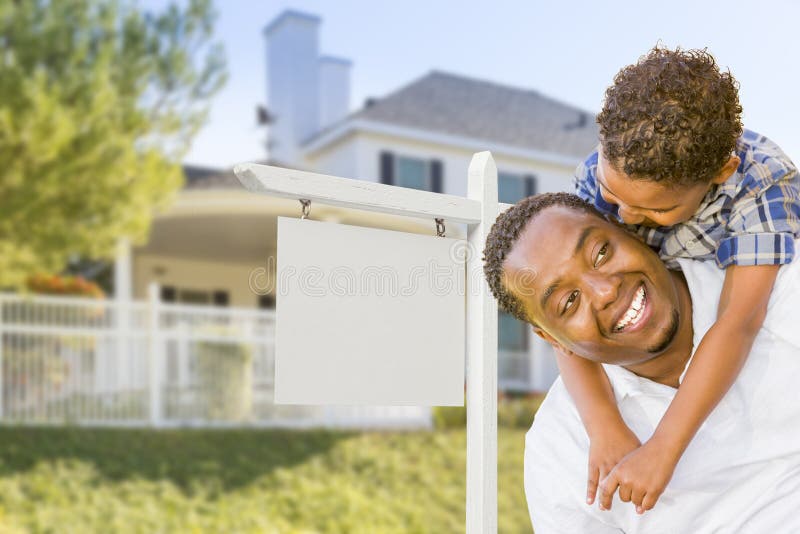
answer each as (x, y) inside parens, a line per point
(92, 480)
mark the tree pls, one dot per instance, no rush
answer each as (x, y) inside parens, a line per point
(99, 101)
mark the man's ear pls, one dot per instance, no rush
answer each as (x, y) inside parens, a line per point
(547, 337)
(553, 341)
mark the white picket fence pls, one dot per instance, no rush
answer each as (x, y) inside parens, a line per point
(149, 363)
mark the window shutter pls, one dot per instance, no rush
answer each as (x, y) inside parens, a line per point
(387, 168)
(168, 294)
(220, 298)
(266, 302)
(530, 185)
(436, 175)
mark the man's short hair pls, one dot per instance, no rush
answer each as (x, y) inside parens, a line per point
(503, 235)
(672, 117)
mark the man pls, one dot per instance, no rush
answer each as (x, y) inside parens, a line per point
(553, 261)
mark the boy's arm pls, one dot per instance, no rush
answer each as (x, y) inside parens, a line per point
(610, 438)
(643, 474)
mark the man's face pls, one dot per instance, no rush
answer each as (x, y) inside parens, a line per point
(646, 202)
(593, 287)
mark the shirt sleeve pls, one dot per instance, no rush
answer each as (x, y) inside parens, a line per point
(762, 227)
(584, 182)
(586, 187)
(653, 237)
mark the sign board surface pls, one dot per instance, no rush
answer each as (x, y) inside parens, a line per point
(368, 316)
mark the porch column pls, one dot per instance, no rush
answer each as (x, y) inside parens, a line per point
(123, 272)
(123, 296)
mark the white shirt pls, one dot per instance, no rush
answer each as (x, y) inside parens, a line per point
(741, 472)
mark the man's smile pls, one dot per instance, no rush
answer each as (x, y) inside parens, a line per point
(635, 314)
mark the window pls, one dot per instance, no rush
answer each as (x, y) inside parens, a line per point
(511, 188)
(266, 302)
(168, 294)
(220, 298)
(412, 172)
(194, 296)
(512, 334)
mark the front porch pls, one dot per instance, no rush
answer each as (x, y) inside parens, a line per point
(145, 358)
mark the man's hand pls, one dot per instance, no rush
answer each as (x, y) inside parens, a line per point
(606, 449)
(641, 477)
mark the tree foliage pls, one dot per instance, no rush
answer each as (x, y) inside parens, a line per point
(99, 101)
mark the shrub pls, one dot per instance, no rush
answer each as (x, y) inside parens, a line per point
(53, 284)
(225, 380)
(518, 411)
(513, 411)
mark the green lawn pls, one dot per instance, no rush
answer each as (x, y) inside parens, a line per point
(82, 481)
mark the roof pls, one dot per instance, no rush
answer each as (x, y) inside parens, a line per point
(452, 104)
(466, 107)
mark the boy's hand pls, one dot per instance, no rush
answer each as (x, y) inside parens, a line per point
(641, 477)
(606, 449)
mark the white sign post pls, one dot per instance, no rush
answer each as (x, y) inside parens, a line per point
(479, 211)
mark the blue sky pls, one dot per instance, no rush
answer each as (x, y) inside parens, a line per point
(566, 50)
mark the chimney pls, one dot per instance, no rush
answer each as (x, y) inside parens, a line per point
(293, 82)
(334, 89)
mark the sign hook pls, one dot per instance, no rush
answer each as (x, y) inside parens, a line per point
(439, 227)
(305, 209)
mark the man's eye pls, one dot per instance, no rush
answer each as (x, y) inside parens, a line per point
(601, 254)
(570, 301)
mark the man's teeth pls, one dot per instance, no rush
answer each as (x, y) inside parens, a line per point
(634, 312)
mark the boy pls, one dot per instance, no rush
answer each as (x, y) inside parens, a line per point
(675, 164)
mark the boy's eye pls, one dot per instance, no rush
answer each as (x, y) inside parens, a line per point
(570, 301)
(601, 254)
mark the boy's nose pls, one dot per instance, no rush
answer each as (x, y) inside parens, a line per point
(630, 216)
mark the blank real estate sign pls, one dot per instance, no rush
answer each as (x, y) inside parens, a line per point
(368, 316)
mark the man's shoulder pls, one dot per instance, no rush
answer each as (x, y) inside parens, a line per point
(554, 418)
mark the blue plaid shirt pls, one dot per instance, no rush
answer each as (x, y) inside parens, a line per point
(751, 219)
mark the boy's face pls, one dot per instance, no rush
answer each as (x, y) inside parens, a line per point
(646, 202)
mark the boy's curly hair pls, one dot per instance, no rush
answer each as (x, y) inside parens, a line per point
(673, 117)
(503, 235)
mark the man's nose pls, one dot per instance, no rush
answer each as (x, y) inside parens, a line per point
(602, 288)
(630, 216)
